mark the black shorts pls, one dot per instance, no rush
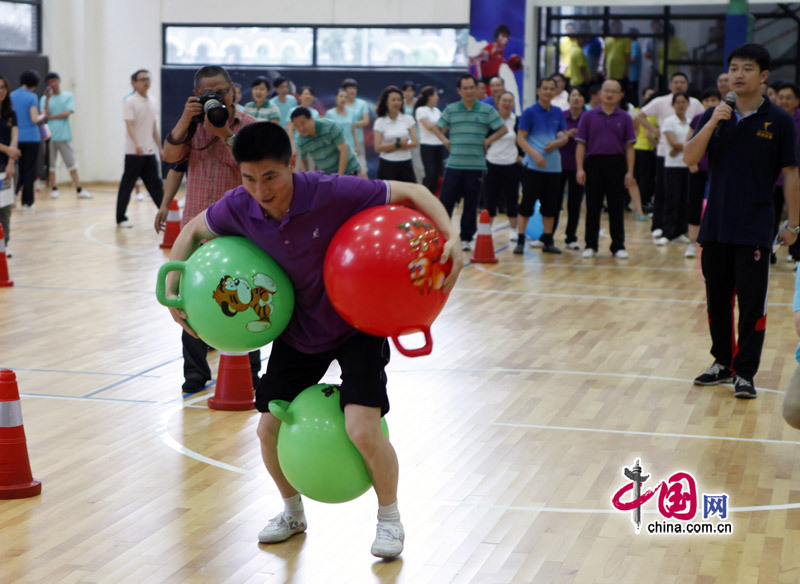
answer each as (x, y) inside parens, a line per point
(544, 186)
(362, 359)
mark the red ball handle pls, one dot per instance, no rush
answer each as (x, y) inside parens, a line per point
(423, 350)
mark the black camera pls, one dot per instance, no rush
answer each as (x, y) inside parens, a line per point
(213, 107)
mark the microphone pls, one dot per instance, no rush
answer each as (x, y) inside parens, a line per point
(730, 101)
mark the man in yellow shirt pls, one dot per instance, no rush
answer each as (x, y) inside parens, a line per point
(578, 66)
(565, 44)
(676, 51)
(618, 52)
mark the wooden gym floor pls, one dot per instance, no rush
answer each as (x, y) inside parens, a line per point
(549, 376)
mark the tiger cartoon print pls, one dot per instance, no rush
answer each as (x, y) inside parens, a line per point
(235, 295)
(425, 270)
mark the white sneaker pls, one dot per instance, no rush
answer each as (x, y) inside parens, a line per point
(466, 246)
(140, 196)
(536, 244)
(682, 239)
(789, 259)
(84, 194)
(125, 224)
(389, 539)
(573, 245)
(661, 241)
(282, 527)
(29, 208)
(656, 233)
(8, 253)
(621, 254)
(691, 251)
(54, 194)
(589, 253)
(513, 236)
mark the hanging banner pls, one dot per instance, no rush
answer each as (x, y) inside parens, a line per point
(497, 43)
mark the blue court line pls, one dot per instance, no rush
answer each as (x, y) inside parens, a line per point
(72, 372)
(129, 377)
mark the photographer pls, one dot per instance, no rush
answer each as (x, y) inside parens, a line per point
(207, 147)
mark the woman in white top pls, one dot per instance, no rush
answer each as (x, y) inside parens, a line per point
(395, 134)
(431, 148)
(676, 173)
(503, 162)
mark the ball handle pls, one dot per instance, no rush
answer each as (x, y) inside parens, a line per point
(161, 284)
(280, 409)
(421, 351)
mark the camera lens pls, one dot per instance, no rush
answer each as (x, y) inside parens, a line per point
(216, 111)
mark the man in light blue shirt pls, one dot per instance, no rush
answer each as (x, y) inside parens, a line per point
(360, 111)
(283, 100)
(59, 106)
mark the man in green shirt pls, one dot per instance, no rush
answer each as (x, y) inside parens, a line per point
(324, 141)
(469, 121)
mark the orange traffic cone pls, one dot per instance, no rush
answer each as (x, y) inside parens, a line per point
(16, 481)
(234, 384)
(5, 279)
(484, 246)
(173, 226)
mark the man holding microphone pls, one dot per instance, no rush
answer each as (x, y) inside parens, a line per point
(748, 146)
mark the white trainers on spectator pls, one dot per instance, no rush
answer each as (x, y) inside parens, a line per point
(621, 254)
(125, 224)
(589, 253)
(54, 194)
(466, 246)
(282, 527)
(536, 244)
(682, 239)
(389, 539)
(656, 233)
(573, 245)
(84, 194)
(140, 196)
(691, 251)
(661, 241)
(8, 253)
(789, 259)
(513, 236)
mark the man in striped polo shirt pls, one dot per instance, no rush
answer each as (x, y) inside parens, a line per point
(470, 121)
(324, 141)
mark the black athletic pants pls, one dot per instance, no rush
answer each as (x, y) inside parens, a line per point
(658, 195)
(605, 178)
(574, 200)
(196, 371)
(644, 172)
(145, 167)
(741, 271)
(433, 163)
(27, 169)
(676, 202)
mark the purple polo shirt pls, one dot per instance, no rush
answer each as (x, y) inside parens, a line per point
(320, 205)
(603, 134)
(568, 150)
(703, 164)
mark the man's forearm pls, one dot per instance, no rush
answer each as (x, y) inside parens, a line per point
(630, 155)
(497, 135)
(580, 153)
(343, 161)
(695, 148)
(791, 192)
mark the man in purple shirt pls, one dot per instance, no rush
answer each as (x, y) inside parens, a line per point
(293, 217)
(605, 142)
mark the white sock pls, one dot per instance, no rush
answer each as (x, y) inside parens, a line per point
(293, 506)
(389, 513)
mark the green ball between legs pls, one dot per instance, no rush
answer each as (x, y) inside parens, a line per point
(314, 451)
(236, 298)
